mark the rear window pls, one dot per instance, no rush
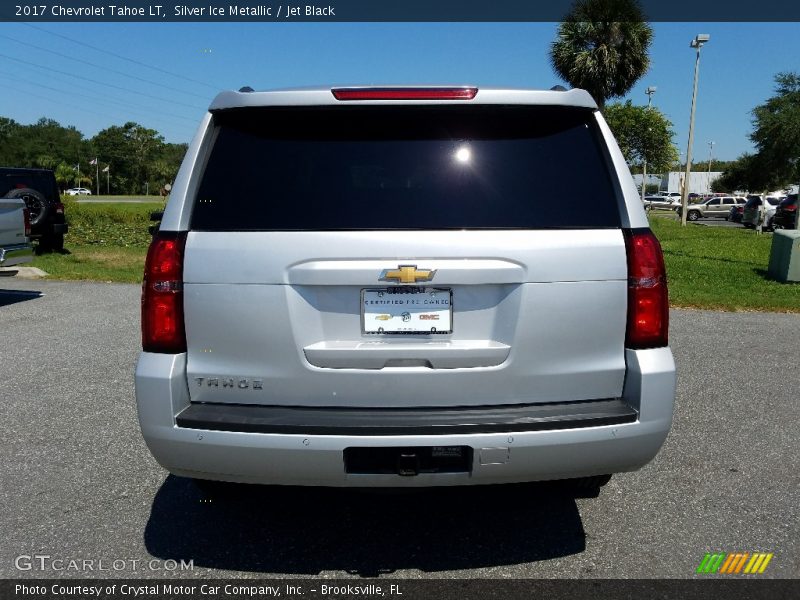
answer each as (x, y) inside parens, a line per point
(343, 168)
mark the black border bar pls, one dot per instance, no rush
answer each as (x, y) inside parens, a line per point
(417, 589)
(158, 11)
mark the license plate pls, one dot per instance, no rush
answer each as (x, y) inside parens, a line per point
(407, 309)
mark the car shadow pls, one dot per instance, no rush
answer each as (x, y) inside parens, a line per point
(8, 297)
(307, 531)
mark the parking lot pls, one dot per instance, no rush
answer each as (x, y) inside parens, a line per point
(77, 481)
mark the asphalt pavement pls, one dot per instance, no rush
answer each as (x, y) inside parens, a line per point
(77, 482)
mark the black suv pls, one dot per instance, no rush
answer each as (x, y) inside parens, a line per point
(786, 213)
(39, 190)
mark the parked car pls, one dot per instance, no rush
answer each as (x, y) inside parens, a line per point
(15, 227)
(78, 192)
(388, 318)
(737, 209)
(665, 202)
(736, 212)
(751, 209)
(718, 207)
(38, 189)
(786, 213)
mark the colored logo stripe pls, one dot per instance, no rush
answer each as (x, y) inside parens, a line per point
(734, 563)
(758, 563)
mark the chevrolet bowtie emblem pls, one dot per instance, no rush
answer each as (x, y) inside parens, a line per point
(407, 274)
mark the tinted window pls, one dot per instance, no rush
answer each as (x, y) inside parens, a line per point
(713, 202)
(404, 168)
(753, 202)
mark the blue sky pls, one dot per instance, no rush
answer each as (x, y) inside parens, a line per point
(736, 71)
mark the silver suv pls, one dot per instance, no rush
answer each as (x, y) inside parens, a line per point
(387, 287)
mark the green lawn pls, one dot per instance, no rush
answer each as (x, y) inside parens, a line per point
(721, 268)
(715, 268)
(106, 242)
(95, 263)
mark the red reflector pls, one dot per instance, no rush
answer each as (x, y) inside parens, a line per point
(648, 303)
(162, 295)
(404, 93)
(26, 215)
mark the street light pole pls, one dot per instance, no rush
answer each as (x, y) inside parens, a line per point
(697, 43)
(708, 177)
(649, 91)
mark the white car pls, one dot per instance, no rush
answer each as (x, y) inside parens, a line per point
(78, 192)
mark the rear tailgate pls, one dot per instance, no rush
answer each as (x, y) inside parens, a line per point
(308, 222)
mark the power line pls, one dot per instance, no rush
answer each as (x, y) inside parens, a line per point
(124, 89)
(94, 112)
(91, 64)
(120, 103)
(130, 60)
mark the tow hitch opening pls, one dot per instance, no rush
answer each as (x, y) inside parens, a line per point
(408, 461)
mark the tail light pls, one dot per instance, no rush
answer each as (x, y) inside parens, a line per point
(648, 303)
(59, 208)
(458, 93)
(26, 214)
(162, 295)
(790, 207)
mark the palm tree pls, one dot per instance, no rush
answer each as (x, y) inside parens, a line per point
(64, 176)
(602, 47)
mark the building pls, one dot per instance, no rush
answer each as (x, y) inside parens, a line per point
(699, 181)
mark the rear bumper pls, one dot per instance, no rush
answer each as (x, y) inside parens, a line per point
(267, 445)
(15, 254)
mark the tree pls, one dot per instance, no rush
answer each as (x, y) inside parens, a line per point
(131, 151)
(746, 173)
(602, 47)
(65, 175)
(776, 132)
(643, 134)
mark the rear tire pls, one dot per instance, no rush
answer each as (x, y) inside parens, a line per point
(215, 490)
(37, 204)
(53, 242)
(587, 487)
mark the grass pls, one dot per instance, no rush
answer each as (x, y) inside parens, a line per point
(110, 264)
(714, 268)
(721, 268)
(106, 242)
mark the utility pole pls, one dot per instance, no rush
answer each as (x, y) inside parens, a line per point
(697, 43)
(708, 178)
(649, 91)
